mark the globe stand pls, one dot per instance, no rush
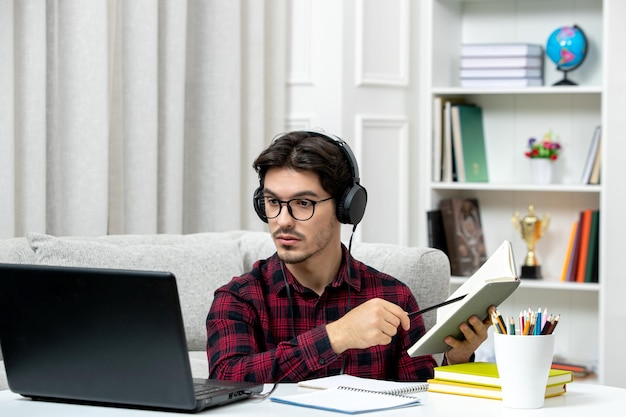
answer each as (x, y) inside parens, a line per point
(565, 80)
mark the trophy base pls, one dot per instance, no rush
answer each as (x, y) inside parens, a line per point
(533, 272)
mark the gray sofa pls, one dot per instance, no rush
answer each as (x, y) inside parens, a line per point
(204, 261)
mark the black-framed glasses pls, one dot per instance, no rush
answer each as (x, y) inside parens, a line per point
(301, 209)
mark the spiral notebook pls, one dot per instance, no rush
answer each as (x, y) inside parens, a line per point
(348, 400)
(353, 395)
(369, 384)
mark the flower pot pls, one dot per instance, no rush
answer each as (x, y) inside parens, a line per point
(541, 170)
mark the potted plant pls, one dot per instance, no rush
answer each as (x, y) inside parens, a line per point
(542, 155)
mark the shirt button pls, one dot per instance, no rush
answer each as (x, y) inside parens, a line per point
(321, 361)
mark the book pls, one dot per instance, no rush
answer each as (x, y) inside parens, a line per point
(347, 400)
(469, 143)
(501, 49)
(437, 132)
(501, 82)
(490, 285)
(482, 391)
(583, 247)
(442, 137)
(464, 236)
(502, 62)
(569, 254)
(591, 266)
(573, 266)
(594, 178)
(370, 384)
(591, 156)
(486, 374)
(501, 72)
(436, 233)
(577, 370)
(457, 145)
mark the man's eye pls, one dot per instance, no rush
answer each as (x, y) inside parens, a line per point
(271, 201)
(303, 203)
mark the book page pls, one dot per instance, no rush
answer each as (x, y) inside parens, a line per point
(500, 266)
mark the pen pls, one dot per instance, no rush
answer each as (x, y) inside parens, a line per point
(427, 309)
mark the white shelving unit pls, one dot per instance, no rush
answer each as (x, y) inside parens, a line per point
(511, 116)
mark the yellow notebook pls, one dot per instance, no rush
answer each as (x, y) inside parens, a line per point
(486, 374)
(482, 391)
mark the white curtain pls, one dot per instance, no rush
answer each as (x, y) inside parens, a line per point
(136, 116)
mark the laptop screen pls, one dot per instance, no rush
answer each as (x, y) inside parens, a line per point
(95, 335)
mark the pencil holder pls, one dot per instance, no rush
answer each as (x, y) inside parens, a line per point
(523, 367)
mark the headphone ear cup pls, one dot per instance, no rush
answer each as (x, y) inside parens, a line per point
(351, 208)
(259, 204)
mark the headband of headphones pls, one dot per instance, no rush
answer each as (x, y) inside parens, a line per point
(351, 207)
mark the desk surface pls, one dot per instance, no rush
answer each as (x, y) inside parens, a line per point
(580, 400)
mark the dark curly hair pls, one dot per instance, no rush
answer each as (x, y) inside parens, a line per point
(306, 151)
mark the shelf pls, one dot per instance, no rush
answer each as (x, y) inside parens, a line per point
(551, 188)
(545, 285)
(549, 90)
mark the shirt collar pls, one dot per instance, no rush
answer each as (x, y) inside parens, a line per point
(277, 279)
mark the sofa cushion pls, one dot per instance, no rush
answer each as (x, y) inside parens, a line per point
(425, 271)
(201, 263)
(16, 251)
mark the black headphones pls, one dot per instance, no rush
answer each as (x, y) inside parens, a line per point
(351, 207)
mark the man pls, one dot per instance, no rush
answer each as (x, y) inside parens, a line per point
(302, 313)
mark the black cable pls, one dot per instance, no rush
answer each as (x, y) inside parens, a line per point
(291, 315)
(263, 395)
(349, 279)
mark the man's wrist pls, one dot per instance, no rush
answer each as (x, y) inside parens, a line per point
(336, 338)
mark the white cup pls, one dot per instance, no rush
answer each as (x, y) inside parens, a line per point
(523, 366)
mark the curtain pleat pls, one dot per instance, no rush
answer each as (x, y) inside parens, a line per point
(30, 115)
(140, 110)
(77, 160)
(172, 53)
(7, 116)
(136, 116)
(213, 116)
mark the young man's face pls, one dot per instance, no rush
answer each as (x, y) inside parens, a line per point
(300, 241)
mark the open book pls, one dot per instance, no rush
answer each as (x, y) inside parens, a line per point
(490, 285)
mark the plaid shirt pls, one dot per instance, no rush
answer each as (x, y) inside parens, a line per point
(252, 335)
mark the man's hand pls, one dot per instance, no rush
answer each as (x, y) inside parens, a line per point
(475, 334)
(372, 323)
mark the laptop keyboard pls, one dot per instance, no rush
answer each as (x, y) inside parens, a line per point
(203, 390)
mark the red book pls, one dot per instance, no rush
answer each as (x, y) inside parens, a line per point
(585, 228)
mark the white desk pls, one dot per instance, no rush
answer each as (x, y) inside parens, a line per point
(580, 400)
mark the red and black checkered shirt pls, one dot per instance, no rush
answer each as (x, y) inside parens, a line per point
(253, 334)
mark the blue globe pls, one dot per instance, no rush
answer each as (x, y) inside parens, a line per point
(567, 47)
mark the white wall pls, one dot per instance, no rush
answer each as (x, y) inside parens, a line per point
(351, 73)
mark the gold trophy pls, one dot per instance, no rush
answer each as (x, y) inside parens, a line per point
(532, 229)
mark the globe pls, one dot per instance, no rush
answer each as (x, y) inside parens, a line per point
(567, 48)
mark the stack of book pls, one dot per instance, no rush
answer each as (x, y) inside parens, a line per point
(581, 259)
(480, 379)
(501, 65)
(459, 143)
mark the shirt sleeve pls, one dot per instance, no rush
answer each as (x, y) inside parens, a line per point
(420, 368)
(240, 348)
